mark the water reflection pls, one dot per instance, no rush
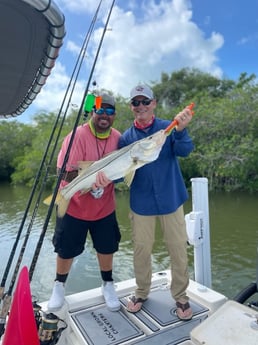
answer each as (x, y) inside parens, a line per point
(234, 233)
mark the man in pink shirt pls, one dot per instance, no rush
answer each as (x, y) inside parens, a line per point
(93, 212)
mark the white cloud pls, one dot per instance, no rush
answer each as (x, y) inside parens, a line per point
(53, 92)
(73, 47)
(84, 6)
(251, 38)
(78, 6)
(163, 41)
(146, 39)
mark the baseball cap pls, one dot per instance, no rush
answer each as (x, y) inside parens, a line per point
(108, 99)
(141, 90)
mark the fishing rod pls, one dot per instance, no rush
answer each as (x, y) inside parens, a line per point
(52, 203)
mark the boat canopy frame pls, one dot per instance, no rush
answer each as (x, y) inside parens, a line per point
(32, 33)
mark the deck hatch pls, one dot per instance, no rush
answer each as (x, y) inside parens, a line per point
(171, 335)
(100, 326)
(160, 307)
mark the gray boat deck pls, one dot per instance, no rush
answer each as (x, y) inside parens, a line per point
(156, 323)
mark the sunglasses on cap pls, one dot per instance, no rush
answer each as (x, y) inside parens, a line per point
(107, 111)
(136, 103)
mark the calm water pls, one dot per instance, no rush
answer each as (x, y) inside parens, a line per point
(234, 240)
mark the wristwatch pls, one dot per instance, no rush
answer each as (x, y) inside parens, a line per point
(97, 193)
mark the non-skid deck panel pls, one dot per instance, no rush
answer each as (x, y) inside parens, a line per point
(100, 326)
(171, 335)
(161, 307)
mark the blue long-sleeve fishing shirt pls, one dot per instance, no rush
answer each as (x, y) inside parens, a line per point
(158, 187)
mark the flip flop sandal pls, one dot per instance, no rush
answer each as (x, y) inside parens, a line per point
(135, 304)
(184, 311)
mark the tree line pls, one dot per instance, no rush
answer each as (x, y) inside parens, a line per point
(224, 131)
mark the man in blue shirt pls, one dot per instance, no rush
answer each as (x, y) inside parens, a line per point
(158, 191)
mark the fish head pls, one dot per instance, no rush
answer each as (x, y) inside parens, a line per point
(148, 149)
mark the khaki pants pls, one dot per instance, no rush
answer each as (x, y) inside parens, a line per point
(175, 237)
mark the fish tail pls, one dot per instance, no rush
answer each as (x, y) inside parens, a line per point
(62, 205)
(47, 201)
(61, 202)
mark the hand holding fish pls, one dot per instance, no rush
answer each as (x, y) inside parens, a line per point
(102, 181)
(121, 163)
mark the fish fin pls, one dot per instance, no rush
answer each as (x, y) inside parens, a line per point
(83, 165)
(61, 202)
(48, 199)
(62, 205)
(129, 178)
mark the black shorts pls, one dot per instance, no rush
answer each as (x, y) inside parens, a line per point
(71, 233)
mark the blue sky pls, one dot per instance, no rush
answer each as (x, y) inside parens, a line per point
(148, 37)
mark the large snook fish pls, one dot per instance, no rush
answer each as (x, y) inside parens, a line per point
(118, 164)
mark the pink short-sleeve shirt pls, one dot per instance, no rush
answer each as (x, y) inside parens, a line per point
(86, 147)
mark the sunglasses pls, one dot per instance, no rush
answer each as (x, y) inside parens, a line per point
(107, 111)
(136, 103)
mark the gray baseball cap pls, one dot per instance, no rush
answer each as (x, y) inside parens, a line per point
(141, 90)
(108, 99)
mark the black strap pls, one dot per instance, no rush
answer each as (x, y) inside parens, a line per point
(68, 176)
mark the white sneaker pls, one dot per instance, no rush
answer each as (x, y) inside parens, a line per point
(110, 296)
(57, 298)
